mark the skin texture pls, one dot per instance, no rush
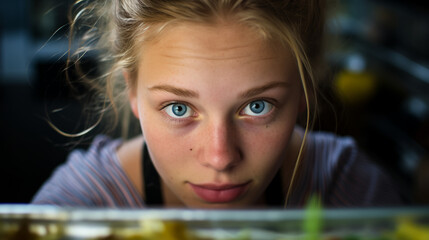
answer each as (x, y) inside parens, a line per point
(216, 72)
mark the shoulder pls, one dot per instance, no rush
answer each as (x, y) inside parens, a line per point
(98, 162)
(325, 151)
(330, 152)
(130, 158)
(101, 151)
(331, 146)
(91, 177)
(345, 176)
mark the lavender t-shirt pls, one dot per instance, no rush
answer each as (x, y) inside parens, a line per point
(333, 168)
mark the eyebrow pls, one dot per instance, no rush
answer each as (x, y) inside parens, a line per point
(192, 94)
(258, 90)
(175, 90)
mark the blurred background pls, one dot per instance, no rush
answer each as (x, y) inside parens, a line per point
(379, 66)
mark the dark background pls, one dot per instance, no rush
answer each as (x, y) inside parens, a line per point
(386, 42)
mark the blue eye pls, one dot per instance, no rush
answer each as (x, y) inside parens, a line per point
(257, 108)
(178, 110)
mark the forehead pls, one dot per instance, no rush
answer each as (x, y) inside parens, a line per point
(198, 54)
(221, 41)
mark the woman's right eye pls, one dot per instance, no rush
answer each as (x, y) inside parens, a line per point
(178, 110)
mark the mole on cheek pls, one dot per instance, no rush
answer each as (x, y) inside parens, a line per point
(190, 149)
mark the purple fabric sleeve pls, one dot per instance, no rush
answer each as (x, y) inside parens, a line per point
(341, 175)
(92, 178)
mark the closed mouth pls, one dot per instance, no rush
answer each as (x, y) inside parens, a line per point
(219, 193)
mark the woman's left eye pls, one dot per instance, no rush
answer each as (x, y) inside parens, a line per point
(178, 110)
(257, 108)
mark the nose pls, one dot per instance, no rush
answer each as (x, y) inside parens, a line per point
(221, 150)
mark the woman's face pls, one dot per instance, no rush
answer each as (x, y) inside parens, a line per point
(217, 106)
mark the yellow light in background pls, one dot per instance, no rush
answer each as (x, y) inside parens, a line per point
(355, 85)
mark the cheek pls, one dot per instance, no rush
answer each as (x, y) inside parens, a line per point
(270, 142)
(267, 145)
(168, 150)
(274, 135)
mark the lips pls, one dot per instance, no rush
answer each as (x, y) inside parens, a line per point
(216, 193)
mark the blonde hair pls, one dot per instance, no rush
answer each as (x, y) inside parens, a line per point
(116, 30)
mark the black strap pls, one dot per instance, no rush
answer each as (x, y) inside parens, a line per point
(152, 186)
(274, 195)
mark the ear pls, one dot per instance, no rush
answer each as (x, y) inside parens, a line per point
(132, 96)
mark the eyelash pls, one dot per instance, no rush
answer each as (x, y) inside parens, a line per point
(178, 120)
(274, 106)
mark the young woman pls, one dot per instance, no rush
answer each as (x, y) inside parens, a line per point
(217, 86)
